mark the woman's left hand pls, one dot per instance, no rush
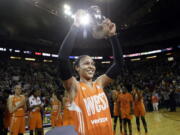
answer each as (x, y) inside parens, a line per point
(111, 27)
(105, 30)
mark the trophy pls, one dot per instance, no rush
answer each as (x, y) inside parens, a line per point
(96, 15)
(90, 18)
(96, 23)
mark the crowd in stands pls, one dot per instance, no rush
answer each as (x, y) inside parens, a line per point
(156, 78)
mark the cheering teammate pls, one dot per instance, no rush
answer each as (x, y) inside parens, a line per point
(126, 103)
(90, 100)
(116, 108)
(139, 109)
(56, 118)
(67, 114)
(35, 119)
(119, 89)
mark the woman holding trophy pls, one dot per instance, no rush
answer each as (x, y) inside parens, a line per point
(88, 97)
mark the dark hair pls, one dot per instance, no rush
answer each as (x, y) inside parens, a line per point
(77, 61)
(16, 86)
(34, 91)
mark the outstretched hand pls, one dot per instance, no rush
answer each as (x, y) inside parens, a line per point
(111, 28)
(105, 30)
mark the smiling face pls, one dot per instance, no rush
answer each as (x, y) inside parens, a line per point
(86, 68)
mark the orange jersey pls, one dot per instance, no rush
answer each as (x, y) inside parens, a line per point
(67, 114)
(92, 111)
(125, 106)
(116, 109)
(55, 107)
(56, 118)
(139, 109)
(15, 101)
(17, 120)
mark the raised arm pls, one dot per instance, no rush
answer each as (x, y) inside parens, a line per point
(65, 68)
(115, 68)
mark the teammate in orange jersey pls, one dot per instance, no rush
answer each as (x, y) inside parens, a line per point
(56, 117)
(67, 114)
(17, 106)
(72, 116)
(126, 102)
(119, 89)
(35, 119)
(116, 108)
(89, 99)
(139, 109)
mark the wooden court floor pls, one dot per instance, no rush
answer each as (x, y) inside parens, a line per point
(159, 123)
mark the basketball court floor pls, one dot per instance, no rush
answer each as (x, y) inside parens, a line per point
(159, 123)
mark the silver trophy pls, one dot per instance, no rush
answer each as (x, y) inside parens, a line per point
(96, 15)
(92, 19)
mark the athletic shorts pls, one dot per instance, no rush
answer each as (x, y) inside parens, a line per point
(17, 125)
(139, 112)
(56, 120)
(35, 120)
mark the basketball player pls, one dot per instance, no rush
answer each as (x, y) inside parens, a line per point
(139, 109)
(17, 106)
(56, 118)
(116, 108)
(72, 116)
(119, 89)
(126, 102)
(67, 114)
(90, 100)
(35, 119)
